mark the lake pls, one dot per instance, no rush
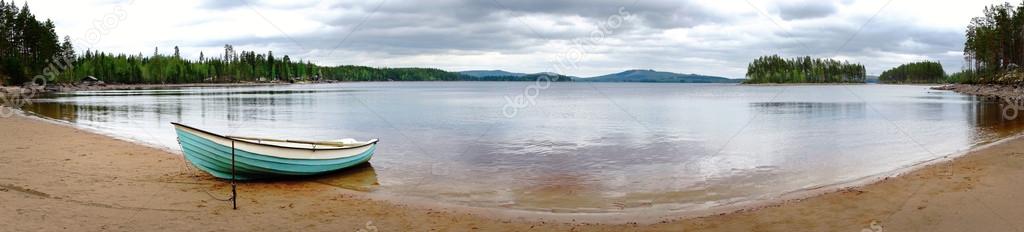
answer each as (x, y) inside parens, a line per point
(573, 147)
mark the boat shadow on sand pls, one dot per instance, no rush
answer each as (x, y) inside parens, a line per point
(361, 178)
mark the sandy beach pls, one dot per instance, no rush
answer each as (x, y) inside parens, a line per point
(56, 177)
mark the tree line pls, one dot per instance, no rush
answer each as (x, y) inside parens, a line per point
(914, 73)
(27, 45)
(775, 69)
(994, 46)
(232, 66)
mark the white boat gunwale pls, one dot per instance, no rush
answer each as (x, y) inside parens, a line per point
(325, 148)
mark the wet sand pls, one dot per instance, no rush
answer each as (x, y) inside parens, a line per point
(56, 177)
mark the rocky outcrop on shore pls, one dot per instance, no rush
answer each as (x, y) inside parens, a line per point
(22, 92)
(988, 91)
(11, 92)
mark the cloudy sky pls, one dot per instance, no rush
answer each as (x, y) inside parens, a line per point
(583, 38)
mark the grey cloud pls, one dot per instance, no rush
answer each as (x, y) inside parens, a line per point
(405, 28)
(222, 4)
(880, 34)
(827, 39)
(232, 4)
(806, 10)
(660, 14)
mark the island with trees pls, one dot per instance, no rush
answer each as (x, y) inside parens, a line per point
(775, 69)
(925, 72)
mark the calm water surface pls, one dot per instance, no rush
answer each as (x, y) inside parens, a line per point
(577, 147)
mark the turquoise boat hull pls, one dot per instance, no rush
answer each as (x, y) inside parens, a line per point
(213, 154)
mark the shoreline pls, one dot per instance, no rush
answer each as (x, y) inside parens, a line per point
(638, 216)
(169, 86)
(18, 95)
(802, 84)
(997, 92)
(746, 217)
(57, 88)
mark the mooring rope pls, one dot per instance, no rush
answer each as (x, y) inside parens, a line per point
(234, 194)
(215, 197)
(195, 177)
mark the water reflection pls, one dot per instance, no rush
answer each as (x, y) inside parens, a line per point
(227, 107)
(989, 122)
(846, 109)
(204, 92)
(592, 147)
(359, 178)
(63, 112)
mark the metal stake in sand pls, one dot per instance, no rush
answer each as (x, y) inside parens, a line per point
(234, 193)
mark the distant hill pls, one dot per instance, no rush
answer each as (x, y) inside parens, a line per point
(626, 76)
(501, 75)
(871, 79)
(525, 77)
(492, 73)
(656, 76)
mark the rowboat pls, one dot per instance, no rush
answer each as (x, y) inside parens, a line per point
(247, 158)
